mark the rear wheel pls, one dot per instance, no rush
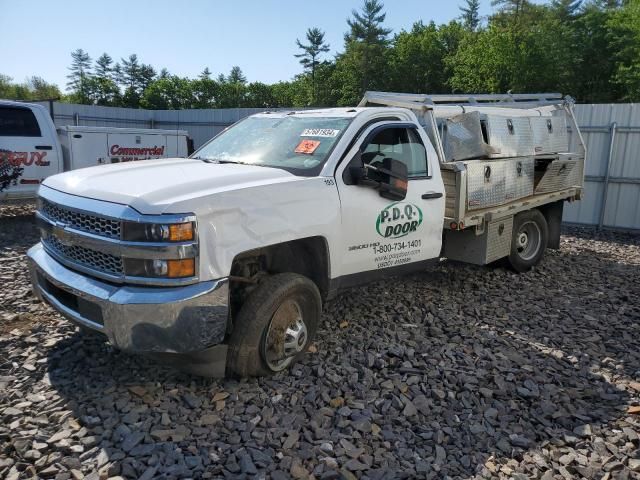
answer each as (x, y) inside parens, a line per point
(528, 241)
(275, 325)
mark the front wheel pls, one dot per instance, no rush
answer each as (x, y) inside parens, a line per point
(528, 241)
(275, 325)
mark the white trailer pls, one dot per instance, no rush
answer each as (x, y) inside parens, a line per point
(32, 149)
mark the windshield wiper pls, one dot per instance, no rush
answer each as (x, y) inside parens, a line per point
(216, 160)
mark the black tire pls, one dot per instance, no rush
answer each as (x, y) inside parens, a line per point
(528, 240)
(293, 294)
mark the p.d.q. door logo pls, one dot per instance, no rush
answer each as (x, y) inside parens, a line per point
(398, 219)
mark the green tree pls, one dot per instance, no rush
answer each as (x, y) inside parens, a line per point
(135, 77)
(624, 34)
(471, 14)
(566, 10)
(595, 56)
(236, 76)
(42, 90)
(80, 74)
(6, 87)
(205, 91)
(233, 88)
(171, 93)
(417, 59)
(103, 68)
(310, 56)
(361, 66)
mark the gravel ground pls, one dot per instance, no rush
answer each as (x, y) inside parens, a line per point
(461, 372)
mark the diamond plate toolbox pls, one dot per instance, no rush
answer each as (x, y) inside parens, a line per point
(519, 177)
(499, 239)
(486, 183)
(495, 182)
(509, 137)
(566, 172)
(549, 134)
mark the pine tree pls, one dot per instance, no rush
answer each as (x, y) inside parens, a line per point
(236, 82)
(366, 26)
(309, 58)
(205, 74)
(136, 77)
(566, 10)
(511, 6)
(103, 66)
(130, 71)
(471, 14)
(236, 76)
(361, 66)
(80, 73)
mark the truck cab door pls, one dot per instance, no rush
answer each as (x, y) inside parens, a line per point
(378, 233)
(29, 150)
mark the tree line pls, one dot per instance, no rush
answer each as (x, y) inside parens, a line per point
(590, 50)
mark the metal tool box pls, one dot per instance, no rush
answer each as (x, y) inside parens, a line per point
(476, 135)
(495, 182)
(549, 134)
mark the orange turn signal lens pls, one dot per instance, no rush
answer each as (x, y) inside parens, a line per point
(181, 232)
(181, 268)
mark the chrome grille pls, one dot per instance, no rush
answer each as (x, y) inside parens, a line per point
(105, 227)
(101, 262)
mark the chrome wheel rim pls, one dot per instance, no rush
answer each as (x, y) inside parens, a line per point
(528, 240)
(286, 336)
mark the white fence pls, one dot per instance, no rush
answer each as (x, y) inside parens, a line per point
(611, 133)
(612, 174)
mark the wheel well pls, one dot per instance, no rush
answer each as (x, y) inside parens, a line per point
(307, 256)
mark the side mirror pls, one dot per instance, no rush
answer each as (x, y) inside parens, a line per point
(390, 177)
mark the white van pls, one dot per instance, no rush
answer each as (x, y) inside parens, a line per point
(32, 149)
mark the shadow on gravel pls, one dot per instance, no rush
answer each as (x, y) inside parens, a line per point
(458, 372)
(18, 232)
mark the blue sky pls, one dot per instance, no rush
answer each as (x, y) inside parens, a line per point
(187, 35)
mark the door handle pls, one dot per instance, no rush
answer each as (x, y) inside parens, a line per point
(43, 147)
(429, 195)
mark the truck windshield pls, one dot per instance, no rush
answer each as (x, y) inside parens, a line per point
(297, 144)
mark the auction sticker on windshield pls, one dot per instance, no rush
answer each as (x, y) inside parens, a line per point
(319, 132)
(307, 146)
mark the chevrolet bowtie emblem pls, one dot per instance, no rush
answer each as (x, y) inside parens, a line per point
(59, 231)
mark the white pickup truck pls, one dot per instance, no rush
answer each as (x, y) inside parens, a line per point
(225, 259)
(32, 149)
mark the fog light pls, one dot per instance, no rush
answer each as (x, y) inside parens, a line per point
(158, 268)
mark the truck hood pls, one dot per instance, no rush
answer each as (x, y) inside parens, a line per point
(153, 186)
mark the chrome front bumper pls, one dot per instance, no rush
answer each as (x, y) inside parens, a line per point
(182, 320)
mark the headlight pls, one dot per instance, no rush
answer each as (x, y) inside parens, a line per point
(154, 232)
(182, 268)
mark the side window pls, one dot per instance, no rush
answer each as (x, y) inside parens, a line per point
(399, 143)
(18, 122)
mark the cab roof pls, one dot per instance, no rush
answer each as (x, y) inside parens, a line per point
(348, 112)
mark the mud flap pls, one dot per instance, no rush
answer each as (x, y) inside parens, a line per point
(553, 214)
